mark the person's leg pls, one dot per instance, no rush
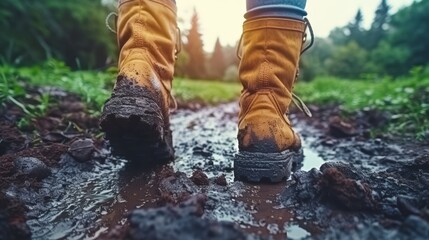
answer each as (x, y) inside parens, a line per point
(276, 8)
(135, 118)
(272, 41)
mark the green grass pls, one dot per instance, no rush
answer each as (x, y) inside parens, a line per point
(95, 87)
(407, 99)
(11, 91)
(211, 92)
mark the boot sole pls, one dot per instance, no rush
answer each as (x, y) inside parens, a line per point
(265, 167)
(135, 130)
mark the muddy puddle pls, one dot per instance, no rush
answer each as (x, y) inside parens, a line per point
(84, 200)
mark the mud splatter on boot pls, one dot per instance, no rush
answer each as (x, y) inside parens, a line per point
(136, 117)
(135, 124)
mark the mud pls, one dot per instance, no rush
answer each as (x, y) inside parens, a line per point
(62, 181)
(375, 189)
(12, 139)
(12, 219)
(180, 222)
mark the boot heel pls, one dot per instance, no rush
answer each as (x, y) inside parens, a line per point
(136, 130)
(265, 167)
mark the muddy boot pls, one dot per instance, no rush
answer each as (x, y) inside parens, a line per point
(136, 117)
(268, 145)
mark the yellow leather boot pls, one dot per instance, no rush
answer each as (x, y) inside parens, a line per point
(135, 118)
(268, 145)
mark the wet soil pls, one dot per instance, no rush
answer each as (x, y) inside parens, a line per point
(58, 180)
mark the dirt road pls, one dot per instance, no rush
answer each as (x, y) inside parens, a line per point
(348, 186)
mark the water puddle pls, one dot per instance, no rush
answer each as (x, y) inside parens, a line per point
(296, 232)
(81, 201)
(311, 158)
(69, 202)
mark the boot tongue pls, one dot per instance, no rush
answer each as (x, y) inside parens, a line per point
(301, 105)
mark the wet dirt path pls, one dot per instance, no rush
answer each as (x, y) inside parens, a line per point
(81, 201)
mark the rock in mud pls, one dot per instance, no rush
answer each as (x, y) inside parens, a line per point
(346, 169)
(200, 178)
(221, 180)
(58, 137)
(304, 188)
(340, 128)
(32, 167)
(202, 150)
(337, 184)
(82, 149)
(180, 222)
(176, 189)
(352, 194)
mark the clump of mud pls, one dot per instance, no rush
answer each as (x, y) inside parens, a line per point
(12, 221)
(337, 184)
(342, 184)
(345, 201)
(180, 222)
(200, 178)
(177, 188)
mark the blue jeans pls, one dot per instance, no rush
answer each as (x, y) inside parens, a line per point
(276, 8)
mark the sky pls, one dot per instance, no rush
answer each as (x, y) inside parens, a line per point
(224, 18)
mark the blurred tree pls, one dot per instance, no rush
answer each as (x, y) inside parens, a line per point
(194, 47)
(231, 74)
(349, 61)
(379, 26)
(356, 32)
(339, 36)
(71, 31)
(308, 69)
(353, 31)
(314, 62)
(183, 56)
(181, 64)
(410, 31)
(230, 54)
(217, 64)
(393, 45)
(390, 60)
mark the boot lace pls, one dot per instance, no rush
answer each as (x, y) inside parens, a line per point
(107, 21)
(295, 99)
(172, 101)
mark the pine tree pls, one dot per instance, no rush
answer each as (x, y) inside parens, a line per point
(378, 27)
(356, 30)
(217, 61)
(194, 47)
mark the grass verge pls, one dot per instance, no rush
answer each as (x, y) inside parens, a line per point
(210, 92)
(95, 87)
(406, 99)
